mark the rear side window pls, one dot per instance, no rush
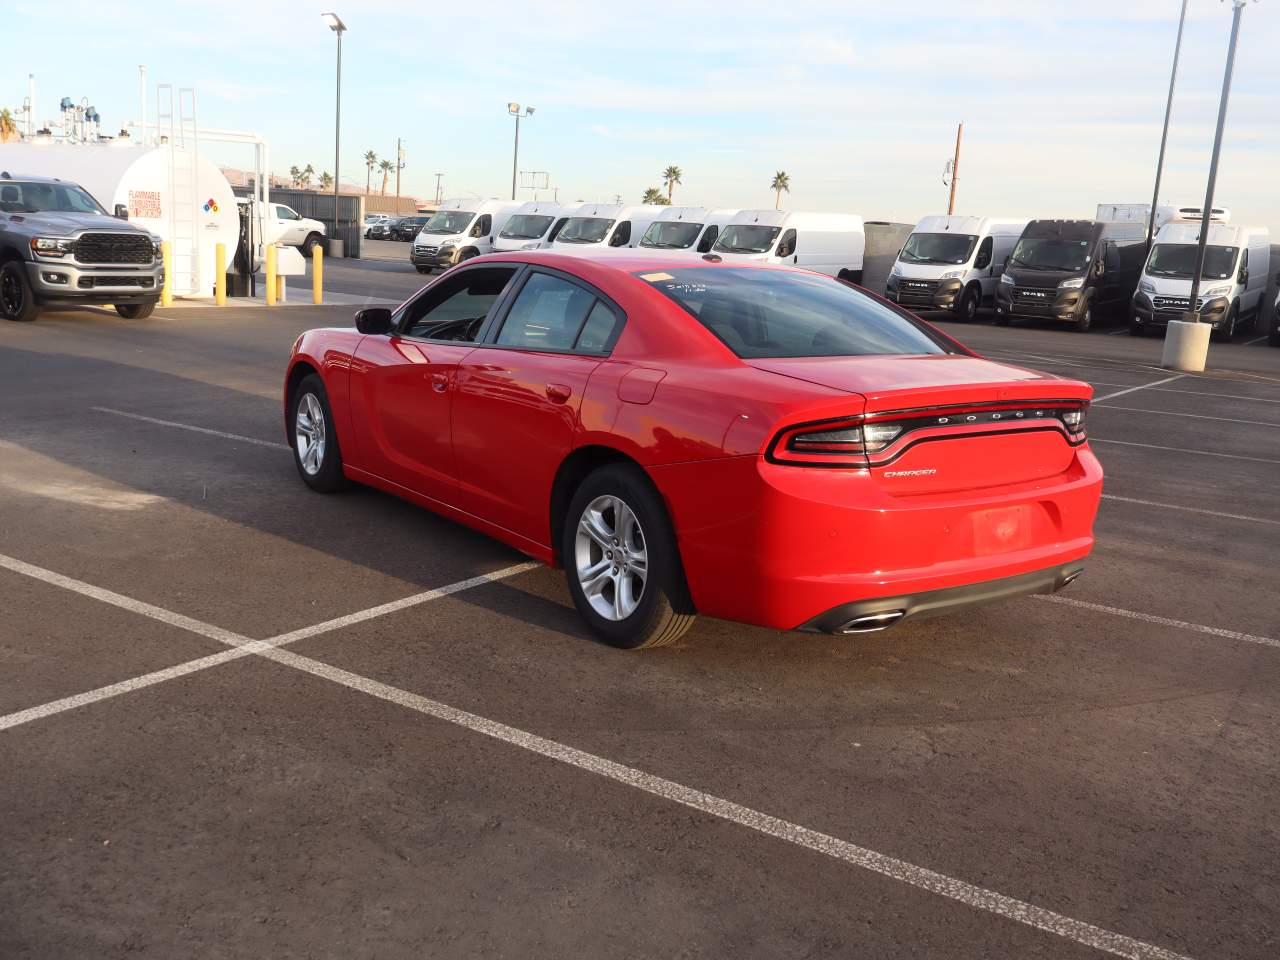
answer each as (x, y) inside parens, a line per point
(597, 333)
(761, 313)
(546, 315)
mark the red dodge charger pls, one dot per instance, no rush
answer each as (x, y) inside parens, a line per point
(685, 436)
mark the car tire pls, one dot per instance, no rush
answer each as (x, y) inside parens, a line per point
(313, 240)
(616, 508)
(422, 269)
(967, 307)
(313, 438)
(1002, 320)
(136, 311)
(467, 254)
(17, 301)
(1136, 329)
(1084, 318)
(1227, 331)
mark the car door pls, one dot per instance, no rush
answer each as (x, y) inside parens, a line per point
(291, 233)
(402, 384)
(515, 412)
(984, 268)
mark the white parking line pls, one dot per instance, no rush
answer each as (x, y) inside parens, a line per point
(1174, 506)
(192, 428)
(1250, 343)
(1194, 416)
(961, 891)
(1161, 621)
(1203, 453)
(1144, 386)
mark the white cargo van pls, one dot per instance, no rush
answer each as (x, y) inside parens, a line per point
(1237, 266)
(684, 229)
(459, 230)
(830, 243)
(601, 225)
(530, 226)
(953, 263)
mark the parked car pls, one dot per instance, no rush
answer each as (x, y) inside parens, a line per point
(1233, 285)
(596, 226)
(953, 263)
(755, 443)
(830, 243)
(460, 230)
(375, 226)
(285, 225)
(59, 246)
(406, 228)
(1071, 271)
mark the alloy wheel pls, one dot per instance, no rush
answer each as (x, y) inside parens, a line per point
(10, 295)
(611, 557)
(309, 434)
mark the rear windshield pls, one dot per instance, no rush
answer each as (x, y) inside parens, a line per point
(761, 313)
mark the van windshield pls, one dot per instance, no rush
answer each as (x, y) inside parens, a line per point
(449, 221)
(1050, 253)
(938, 248)
(584, 230)
(781, 313)
(38, 197)
(746, 238)
(526, 226)
(671, 235)
(1179, 260)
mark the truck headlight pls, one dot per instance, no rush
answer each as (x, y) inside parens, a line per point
(1072, 283)
(1005, 278)
(536, 245)
(1147, 287)
(953, 275)
(897, 270)
(1216, 292)
(53, 247)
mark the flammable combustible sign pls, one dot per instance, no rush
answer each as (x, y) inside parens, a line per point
(144, 204)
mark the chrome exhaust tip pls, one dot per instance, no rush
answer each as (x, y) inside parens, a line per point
(1069, 579)
(872, 622)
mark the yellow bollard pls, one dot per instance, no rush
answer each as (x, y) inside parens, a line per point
(166, 289)
(220, 274)
(271, 275)
(317, 273)
(280, 297)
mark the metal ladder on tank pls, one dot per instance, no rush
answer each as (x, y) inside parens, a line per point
(180, 130)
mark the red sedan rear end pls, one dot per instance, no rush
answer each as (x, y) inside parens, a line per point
(753, 443)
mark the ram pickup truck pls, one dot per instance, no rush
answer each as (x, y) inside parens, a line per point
(58, 246)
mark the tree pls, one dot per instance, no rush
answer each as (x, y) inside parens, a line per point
(654, 196)
(386, 166)
(780, 183)
(671, 176)
(370, 161)
(8, 129)
(295, 175)
(326, 180)
(307, 173)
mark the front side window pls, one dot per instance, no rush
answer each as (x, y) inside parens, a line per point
(447, 222)
(525, 226)
(1179, 260)
(584, 230)
(670, 235)
(621, 236)
(546, 315)
(983, 259)
(952, 248)
(454, 308)
(1051, 253)
(746, 238)
(770, 314)
(37, 197)
(708, 238)
(285, 213)
(482, 225)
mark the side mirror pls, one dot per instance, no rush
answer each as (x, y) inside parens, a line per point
(1244, 276)
(122, 212)
(1099, 268)
(374, 321)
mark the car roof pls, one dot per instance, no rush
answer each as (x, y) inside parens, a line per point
(32, 178)
(620, 263)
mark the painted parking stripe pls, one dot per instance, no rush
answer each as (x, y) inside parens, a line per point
(1175, 506)
(192, 428)
(1202, 453)
(1158, 620)
(1194, 416)
(1141, 386)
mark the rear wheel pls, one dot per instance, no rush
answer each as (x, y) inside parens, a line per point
(313, 438)
(136, 311)
(967, 308)
(17, 302)
(622, 563)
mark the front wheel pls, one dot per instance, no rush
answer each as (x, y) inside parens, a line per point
(622, 563)
(1084, 319)
(1273, 338)
(313, 438)
(422, 269)
(313, 240)
(1227, 331)
(17, 302)
(136, 311)
(967, 308)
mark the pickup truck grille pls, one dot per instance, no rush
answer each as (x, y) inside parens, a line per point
(89, 283)
(113, 248)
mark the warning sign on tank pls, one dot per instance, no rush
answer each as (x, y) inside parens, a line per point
(144, 203)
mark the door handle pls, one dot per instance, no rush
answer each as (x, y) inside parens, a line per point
(439, 382)
(558, 392)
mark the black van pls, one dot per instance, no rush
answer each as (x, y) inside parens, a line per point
(1071, 270)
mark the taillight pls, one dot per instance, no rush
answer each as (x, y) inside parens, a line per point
(1073, 420)
(833, 443)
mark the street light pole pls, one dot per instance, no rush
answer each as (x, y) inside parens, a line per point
(337, 26)
(514, 109)
(1164, 136)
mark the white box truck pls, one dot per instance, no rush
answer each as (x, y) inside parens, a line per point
(953, 263)
(602, 225)
(531, 225)
(684, 230)
(830, 243)
(1233, 285)
(459, 230)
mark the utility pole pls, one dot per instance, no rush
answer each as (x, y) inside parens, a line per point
(438, 176)
(1164, 136)
(399, 167)
(955, 171)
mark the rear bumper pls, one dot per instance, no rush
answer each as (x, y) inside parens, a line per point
(796, 548)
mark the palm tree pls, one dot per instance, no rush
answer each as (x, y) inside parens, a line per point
(307, 173)
(295, 175)
(780, 183)
(386, 166)
(652, 195)
(8, 129)
(370, 161)
(326, 180)
(671, 176)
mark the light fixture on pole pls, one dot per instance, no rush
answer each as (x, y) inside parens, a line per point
(337, 26)
(515, 111)
(1186, 343)
(1164, 136)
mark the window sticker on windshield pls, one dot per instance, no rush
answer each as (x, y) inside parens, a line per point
(655, 277)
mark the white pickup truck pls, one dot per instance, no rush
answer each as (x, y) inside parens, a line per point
(282, 224)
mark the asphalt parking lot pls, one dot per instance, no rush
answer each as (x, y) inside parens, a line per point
(239, 719)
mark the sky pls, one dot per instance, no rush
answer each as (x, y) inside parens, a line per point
(856, 100)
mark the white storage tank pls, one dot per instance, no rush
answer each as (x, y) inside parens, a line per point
(176, 194)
